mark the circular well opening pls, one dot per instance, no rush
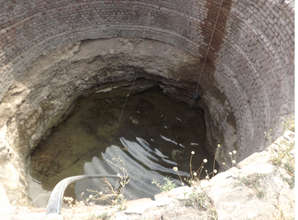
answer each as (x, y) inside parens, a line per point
(137, 130)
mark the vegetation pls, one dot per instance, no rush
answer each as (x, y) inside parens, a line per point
(283, 155)
(254, 182)
(166, 186)
(196, 199)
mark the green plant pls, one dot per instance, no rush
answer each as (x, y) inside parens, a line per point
(201, 201)
(283, 157)
(197, 174)
(112, 195)
(282, 213)
(194, 174)
(268, 135)
(166, 186)
(103, 216)
(231, 160)
(289, 124)
(254, 182)
(198, 200)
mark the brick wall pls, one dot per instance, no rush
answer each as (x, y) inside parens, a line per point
(250, 57)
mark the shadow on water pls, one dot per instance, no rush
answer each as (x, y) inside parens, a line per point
(155, 134)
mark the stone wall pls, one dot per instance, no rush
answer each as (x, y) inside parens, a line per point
(239, 52)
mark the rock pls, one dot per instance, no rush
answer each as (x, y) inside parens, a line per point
(138, 206)
(5, 207)
(53, 217)
(258, 188)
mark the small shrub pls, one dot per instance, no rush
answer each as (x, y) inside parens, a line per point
(254, 182)
(166, 186)
(201, 201)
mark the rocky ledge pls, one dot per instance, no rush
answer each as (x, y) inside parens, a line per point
(259, 187)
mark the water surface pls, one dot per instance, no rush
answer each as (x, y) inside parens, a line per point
(147, 134)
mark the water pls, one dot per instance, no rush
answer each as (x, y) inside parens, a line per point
(154, 134)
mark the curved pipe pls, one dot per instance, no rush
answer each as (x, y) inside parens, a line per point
(56, 197)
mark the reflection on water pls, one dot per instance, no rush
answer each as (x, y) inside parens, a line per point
(155, 134)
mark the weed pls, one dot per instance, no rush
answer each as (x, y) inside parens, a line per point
(201, 173)
(268, 135)
(166, 186)
(103, 216)
(111, 195)
(201, 201)
(289, 168)
(253, 182)
(282, 157)
(282, 213)
(289, 124)
(198, 200)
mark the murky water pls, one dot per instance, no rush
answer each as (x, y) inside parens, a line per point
(147, 134)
